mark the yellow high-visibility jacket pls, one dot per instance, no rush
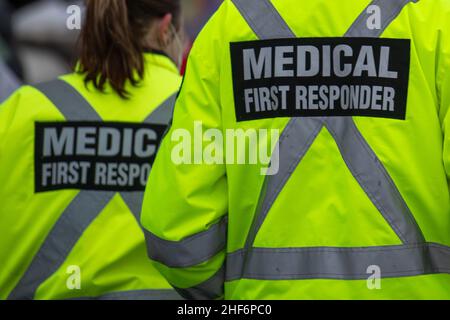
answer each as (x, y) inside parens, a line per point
(355, 203)
(73, 168)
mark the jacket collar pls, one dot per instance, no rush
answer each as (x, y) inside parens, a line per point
(161, 59)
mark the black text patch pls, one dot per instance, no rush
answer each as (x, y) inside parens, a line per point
(321, 77)
(94, 156)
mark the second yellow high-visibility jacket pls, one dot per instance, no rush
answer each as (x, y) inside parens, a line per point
(355, 203)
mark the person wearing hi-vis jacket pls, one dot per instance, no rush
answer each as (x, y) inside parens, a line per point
(357, 205)
(75, 154)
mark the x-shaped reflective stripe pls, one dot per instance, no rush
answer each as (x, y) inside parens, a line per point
(87, 205)
(300, 133)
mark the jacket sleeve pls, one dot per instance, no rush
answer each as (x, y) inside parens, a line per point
(446, 133)
(443, 90)
(185, 205)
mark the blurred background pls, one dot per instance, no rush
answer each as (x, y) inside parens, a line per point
(36, 45)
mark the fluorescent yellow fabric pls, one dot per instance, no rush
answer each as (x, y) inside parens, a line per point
(111, 252)
(422, 287)
(322, 204)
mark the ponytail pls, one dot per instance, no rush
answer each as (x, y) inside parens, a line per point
(112, 40)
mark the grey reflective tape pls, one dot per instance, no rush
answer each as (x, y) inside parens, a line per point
(163, 114)
(191, 251)
(72, 105)
(133, 200)
(264, 19)
(388, 9)
(162, 294)
(294, 142)
(374, 179)
(86, 206)
(338, 263)
(212, 289)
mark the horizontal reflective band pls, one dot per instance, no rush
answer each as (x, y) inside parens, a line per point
(338, 263)
(211, 289)
(264, 19)
(168, 294)
(388, 9)
(191, 251)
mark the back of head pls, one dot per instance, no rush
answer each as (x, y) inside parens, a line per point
(114, 38)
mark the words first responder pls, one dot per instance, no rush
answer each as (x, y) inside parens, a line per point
(323, 97)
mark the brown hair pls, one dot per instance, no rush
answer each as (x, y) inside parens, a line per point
(112, 40)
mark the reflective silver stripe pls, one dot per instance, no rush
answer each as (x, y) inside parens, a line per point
(389, 9)
(64, 235)
(191, 251)
(374, 179)
(134, 201)
(338, 263)
(212, 289)
(168, 294)
(68, 100)
(291, 151)
(264, 19)
(163, 114)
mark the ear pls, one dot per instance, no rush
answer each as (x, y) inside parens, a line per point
(164, 31)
